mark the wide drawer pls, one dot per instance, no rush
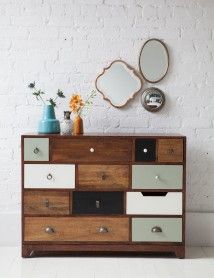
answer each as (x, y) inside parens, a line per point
(49, 176)
(103, 176)
(76, 229)
(157, 176)
(157, 229)
(87, 202)
(91, 150)
(36, 149)
(46, 202)
(170, 150)
(137, 203)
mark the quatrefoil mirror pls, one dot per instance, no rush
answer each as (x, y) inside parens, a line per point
(118, 83)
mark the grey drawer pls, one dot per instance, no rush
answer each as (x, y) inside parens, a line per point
(36, 149)
(157, 229)
(157, 176)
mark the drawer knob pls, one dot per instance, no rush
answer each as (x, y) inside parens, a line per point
(145, 150)
(156, 229)
(157, 177)
(171, 151)
(92, 150)
(49, 176)
(36, 150)
(46, 203)
(49, 230)
(103, 230)
(103, 176)
(97, 204)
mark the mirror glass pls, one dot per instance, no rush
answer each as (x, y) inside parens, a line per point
(154, 60)
(153, 99)
(118, 83)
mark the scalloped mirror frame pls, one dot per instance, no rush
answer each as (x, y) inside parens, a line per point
(132, 72)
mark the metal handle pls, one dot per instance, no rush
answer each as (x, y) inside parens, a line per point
(97, 204)
(92, 150)
(145, 150)
(49, 230)
(46, 203)
(103, 176)
(36, 150)
(49, 176)
(156, 229)
(103, 230)
(171, 151)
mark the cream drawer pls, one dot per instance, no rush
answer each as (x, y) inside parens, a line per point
(49, 176)
(157, 176)
(171, 204)
(157, 229)
(36, 149)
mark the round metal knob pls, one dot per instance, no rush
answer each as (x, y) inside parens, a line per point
(49, 176)
(92, 150)
(170, 151)
(49, 230)
(103, 176)
(145, 150)
(157, 177)
(156, 229)
(46, 203)
(103, 229)
(36, 150)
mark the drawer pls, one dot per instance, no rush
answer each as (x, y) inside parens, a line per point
(169, 204)
(157, 176)
(88, 202)
(49, 176)
(46, 202)
(157, 229)
(91, 150)
(145, 150)
(170, 150)
(76, 229)
(36, 149)
(103, 176)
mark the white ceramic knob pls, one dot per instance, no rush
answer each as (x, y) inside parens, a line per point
(145, 150)
(92, 150)
(157, 177)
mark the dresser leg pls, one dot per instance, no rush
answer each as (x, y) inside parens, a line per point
(27, 252)
(180, 252)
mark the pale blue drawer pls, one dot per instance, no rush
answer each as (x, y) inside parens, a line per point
(36, 149)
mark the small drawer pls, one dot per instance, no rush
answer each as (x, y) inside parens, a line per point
(49, 176)
(145, 150)
(87, 202)
(91, 150)
(46, 202)
(103, 176)
(36, 149)
(76, 229)
(157, 176)
(157, 229)
(170, 150)
(169, 203)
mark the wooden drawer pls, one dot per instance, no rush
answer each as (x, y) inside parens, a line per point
(103, 176)
(137, 203)
(49, 176)
(46, 202)
(145, 149)
(36, 149)
(76, 229)
(157, 229)
(157, 176)
(170, 150)
(88, 202)
(91, 150)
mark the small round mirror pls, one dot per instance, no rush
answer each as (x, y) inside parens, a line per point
(154, 60)
(153, 99)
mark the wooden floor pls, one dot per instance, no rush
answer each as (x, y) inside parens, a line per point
(199, 263)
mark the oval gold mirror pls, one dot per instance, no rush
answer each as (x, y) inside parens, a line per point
(153, 99)
(154, 60)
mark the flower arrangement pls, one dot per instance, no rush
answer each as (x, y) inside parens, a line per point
(38, 94)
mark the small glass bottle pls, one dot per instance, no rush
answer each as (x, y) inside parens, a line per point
(66, 124)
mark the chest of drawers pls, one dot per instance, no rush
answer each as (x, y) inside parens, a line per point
(98, 193)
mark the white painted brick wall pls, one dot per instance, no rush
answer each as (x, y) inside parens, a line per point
(65, 44)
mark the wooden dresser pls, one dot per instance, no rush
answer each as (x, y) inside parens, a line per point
(103, 193)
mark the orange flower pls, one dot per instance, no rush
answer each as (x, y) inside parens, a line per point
(76, 103)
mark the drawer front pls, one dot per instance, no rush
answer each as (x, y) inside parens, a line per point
(170, 204)
(157, 176)
(157, 229)
(170, 150)
(49, 176)
(91, 150)
(103, 176)
(36, 149)
(76, 229)
(145, 150)
(46, 202)
(86, 202)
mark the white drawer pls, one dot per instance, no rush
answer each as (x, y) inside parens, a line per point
(49, 176)
(138, 204)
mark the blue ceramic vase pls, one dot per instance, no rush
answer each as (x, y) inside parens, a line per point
(49, 123)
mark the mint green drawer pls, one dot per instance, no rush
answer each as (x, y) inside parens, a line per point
(157, 229)
(157, 176)
(36, 149)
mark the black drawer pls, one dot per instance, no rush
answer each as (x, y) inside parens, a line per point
(88, 202)
(145, 150)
